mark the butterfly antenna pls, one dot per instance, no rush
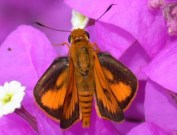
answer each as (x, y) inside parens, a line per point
(42, 25)
(110, 6)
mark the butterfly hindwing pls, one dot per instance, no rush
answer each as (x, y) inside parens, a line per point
(115, 87)
(71, 103)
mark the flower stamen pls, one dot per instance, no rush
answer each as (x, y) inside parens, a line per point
(7, 98)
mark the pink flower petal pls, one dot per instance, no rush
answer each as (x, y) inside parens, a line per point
(111, 39)
(125, 127)
(25, 55)
(135, 58)
(148, 128)
(52, 13)
(158, 107)
(92, 5)
(163, 68)
(15, 125)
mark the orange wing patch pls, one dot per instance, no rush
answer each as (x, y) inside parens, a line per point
(54, 98)
(121, 91)
(108, 74)
(105, 96)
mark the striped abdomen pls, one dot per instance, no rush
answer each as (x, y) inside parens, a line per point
(85, 105)
(85, 81)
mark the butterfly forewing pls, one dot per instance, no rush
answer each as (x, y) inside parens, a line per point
(115, 87)
(56, 92)
(120, 79)
(50, 90)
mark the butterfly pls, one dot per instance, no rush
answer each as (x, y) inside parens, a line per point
(68, 87)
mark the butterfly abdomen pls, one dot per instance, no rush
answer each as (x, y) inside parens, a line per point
(85, 81)
(85, 105)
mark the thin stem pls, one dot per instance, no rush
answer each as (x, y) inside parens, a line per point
(22, 112)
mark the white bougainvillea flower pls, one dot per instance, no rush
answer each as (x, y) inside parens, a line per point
(11, 96)
(78, 20)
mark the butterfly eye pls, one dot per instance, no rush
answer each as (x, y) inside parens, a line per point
(87, 34)
(69, 38)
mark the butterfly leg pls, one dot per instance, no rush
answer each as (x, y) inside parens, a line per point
(62, 44)
(95, 47)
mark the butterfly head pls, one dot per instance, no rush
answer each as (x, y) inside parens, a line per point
(78, 35)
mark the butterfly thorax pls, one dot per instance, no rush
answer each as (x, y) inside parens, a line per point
(82, 56)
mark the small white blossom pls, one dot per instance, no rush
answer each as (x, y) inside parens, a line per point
(11, 96)
(78, 20)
